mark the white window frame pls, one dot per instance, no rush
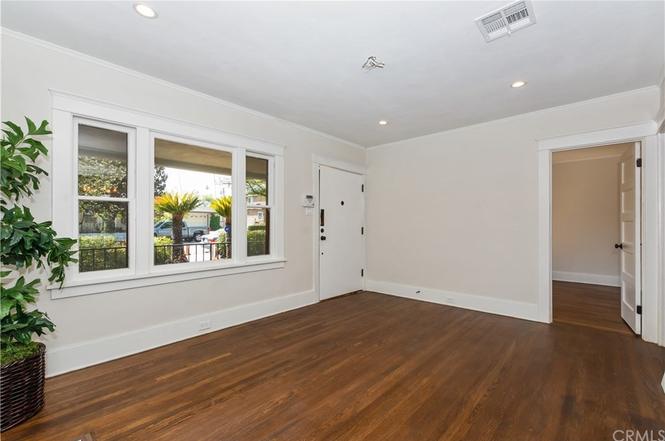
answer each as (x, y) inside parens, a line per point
(269, 203)
(169, 268)
(73, 270)
(70, 110)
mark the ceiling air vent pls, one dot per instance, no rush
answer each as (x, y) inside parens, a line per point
(506, 20)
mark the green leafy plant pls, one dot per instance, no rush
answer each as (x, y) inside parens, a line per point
(256, 187)
(25, 244)
(256, 241)
(20, 174)
(101, 253)
(162, 250)
(159, 180)
(223, 207)
(215, 222)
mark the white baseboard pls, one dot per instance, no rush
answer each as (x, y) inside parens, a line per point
(594, 279)
(72, 357)
(511, 308)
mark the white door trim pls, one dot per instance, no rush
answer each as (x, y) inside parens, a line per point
(342, 165)
(660, 182)
(652, 294)
(599, 137)
(317, 162)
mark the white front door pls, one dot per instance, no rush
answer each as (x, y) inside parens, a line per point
(340, 232)
(630, 245)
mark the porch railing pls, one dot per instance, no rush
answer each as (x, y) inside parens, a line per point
(95, 259)
(114, 257)
(192, 252)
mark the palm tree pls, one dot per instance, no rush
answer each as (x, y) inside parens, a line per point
(222, 206)
(177, 205)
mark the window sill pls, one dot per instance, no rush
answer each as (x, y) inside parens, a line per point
(74, 288)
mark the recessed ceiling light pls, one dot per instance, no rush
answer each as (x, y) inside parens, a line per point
(145, 10)
(383, 122)
(518, 84)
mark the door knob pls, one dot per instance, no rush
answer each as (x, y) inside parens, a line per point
(323, 237)
(618, 245)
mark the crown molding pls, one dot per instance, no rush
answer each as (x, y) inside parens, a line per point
(563, 107)
(6, 32)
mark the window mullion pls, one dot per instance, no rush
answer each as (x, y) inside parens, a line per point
(103, 199)
(276, 190)
(143, 233)
(132, 206)
(239, 232)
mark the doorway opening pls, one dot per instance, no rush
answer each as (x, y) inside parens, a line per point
(596, 237)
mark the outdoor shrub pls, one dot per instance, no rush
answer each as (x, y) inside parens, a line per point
(101, 252)
(256, 242)
(163, 253)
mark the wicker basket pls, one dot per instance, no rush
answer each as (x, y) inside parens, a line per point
(22, 389)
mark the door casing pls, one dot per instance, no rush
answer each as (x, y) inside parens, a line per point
(317, 162)
(653, 293)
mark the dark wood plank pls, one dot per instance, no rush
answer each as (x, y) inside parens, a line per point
(85, 437)
(584, 304)
(366, 367)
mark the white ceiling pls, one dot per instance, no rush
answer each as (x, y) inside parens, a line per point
(301, 61)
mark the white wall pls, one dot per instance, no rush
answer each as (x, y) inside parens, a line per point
(101, 326)
(455, 214)
(660, 117)
(585, 219)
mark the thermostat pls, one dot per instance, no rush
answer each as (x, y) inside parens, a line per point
(308, 201)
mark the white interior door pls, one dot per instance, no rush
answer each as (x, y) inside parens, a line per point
(630, 246)
(340, 232)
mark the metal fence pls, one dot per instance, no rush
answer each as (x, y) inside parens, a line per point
(192, 252)
(95, 259)
(105, 258)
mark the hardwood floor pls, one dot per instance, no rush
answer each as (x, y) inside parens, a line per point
(367, 367)
(594, 306)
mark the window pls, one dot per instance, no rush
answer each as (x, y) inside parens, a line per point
(257, 191)
(191, 183)
(153, 200)
(103, 198)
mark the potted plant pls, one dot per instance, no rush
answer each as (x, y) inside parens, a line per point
(29, 250)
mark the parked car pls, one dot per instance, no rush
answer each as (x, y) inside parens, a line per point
(213, 236)
(189, 233)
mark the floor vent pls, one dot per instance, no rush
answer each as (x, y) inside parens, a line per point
(506, 20)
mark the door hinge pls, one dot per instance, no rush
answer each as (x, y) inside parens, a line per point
(639, 309)
(638, 162)
(362, 188)
(362, 273)
(362, 230)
